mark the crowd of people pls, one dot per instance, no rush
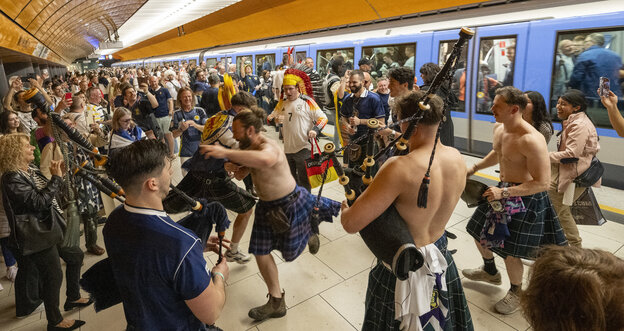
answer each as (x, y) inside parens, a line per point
(213, 120)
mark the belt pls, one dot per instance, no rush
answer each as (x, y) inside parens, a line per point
(209, 178)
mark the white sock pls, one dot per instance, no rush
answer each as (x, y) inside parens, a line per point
(234, 247)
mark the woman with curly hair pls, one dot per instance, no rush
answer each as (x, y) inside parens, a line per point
(29, 197)
(9, 123)
(574, 289)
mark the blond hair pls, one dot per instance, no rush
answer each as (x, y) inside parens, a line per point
(11, 153)
(119, 113)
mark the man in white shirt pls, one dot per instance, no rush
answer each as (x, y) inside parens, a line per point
(303, 121)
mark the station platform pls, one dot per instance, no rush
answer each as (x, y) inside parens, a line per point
(326, 291)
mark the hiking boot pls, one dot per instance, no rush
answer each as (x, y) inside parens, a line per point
(96, 250)
(275, 307)
(238, 257)
(509, 304)
(481, 275)
(314, 243)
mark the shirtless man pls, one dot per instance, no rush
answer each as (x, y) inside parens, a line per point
(393, 194)
(528, 214)
(283, 214)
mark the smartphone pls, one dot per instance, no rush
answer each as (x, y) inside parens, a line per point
(68, 98)
(604, 88)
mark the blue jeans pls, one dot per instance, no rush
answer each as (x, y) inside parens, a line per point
(9, 259)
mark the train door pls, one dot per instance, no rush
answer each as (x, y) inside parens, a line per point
(498, 57)
(441, 49)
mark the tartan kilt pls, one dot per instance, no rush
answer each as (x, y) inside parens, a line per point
(215, 187)
(380, 299)
(538, 226)
(298, 207)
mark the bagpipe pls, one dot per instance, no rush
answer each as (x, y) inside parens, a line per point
(34, 96)
(71, 236)
(99, 280)
(389, 237)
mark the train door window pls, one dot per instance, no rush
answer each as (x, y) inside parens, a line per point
(300, 56)
(458, 84)
(211, 62)
(496, 69)
(323, 58)
(383, 58)
(242, 61)
(264, 62)
(581, 58)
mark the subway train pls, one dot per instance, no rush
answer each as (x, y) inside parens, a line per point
(519, 48)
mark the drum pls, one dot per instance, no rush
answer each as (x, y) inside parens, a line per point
(391, 241)
(215, 127)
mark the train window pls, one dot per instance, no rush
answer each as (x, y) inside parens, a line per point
(383, 58)
(264, 62)
(243, 58)
(580, 59)
(458, 85)
(300, 56)
(496, 69)
(211, 62)
(323, 57)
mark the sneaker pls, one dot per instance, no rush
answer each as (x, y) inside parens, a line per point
(479, 274)
(11, 273)
(314, 244)
(509, 304)
(238, 257)
(275, 307)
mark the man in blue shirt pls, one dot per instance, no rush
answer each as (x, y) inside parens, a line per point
(158, 264)
(594, 63)
(210, 97)
(200, 84)
(164, 110)
(357, 108)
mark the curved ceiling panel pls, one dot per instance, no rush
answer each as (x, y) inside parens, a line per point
(71, 28)
(257, 19)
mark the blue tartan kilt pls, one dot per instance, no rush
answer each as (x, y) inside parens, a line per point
(298, 207)
(538, 226)
(380, 299)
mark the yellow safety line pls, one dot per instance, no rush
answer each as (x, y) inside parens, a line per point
(603, 207)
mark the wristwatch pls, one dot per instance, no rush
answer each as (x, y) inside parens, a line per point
(505, 193)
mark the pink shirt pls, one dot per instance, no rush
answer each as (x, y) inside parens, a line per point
(578, 139)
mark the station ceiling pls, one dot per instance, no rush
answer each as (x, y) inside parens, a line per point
(69, 28)
(72, 29)
(250, 20)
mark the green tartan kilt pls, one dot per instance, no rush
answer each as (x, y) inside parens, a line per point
(379, 302)
(529, 231)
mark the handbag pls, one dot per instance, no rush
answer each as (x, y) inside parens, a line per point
(35, 234)
(586, 211)
(590, 176)
(317, 169)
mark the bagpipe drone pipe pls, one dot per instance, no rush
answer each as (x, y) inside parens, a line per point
(99, 280)
(388, 236)
(35, 97)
